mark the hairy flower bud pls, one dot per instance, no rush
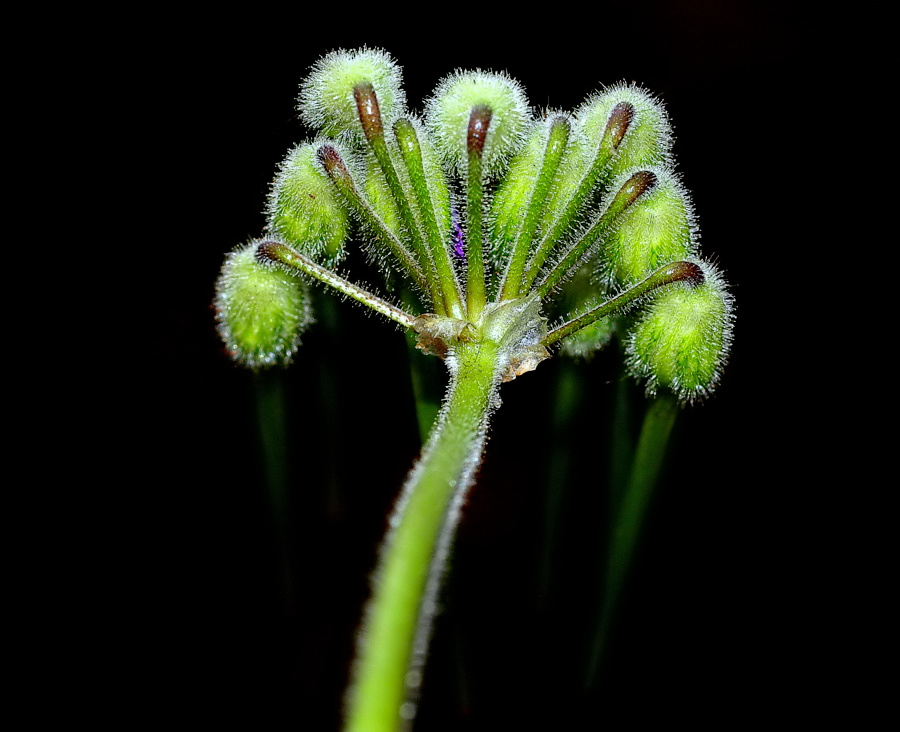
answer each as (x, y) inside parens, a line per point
(305, 210)
(657, 229)
(647, 138)
(261, 310)
(328, 100)
(449, 111)
(683, 339)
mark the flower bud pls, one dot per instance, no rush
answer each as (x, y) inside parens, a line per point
(656, 229)
(328, 95)
(261, 310)
(682, 340)
(647, 138)
(449, 111)
(305, 210)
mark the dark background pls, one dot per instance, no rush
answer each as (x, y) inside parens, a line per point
(730, 615)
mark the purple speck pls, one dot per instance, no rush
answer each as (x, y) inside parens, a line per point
(458, 240)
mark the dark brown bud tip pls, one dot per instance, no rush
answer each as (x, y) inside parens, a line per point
(618, 124)
(479, 122)
(637, 185)
(369, 109)
(272, 251)
(332, 162)
(687, 272)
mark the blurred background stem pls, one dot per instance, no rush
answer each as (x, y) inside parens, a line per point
(629, 511)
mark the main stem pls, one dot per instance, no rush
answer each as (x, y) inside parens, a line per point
(397, 623)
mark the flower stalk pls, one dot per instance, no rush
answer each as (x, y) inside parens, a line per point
(397, 623)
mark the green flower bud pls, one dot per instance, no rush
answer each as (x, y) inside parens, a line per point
(328, 95)
(449, 111)
(261, 310)
(656, 229)
(647, 139)
(683, 339)
(305, 210)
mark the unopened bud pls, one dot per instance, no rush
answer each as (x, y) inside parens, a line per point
(261, 310)
(683, 339)
(329, 97)
(656, 229)
(500, 119)
(634, 124)
(305, 210)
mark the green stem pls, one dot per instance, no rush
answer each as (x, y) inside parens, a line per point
(666, 275)
(479, 121)
(411, 152)
(630, 512)
(272, 425)
(557, 139)
(619, 121)
(631, 190)
(397, 622)
(340, 175)
(283, 254)
(370, 118)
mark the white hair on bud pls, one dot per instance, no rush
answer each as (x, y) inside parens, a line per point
(327, 102)
(448, 109)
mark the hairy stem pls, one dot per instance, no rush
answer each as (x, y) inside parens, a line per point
(557, 139)
(278, 252)
(370, 117)
(411, 152)
(397, 622)
(633, 188)
(479, 122)
(618, 124)
(668, 274)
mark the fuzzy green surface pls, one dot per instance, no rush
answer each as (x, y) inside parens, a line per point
(656, 230)
(327, 102)
(305, 210)
(379, 195)
(260, 310)
(575, 163)
(683, 338)
(447, 115)
(648, 140)
(510, 200)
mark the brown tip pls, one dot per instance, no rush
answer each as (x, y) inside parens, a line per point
(271, 251)
(637, 185)
(479, 122)
(688, 272)
(619, 121)
(369, 110)
(332, 162)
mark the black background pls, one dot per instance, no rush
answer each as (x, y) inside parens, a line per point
(727, 614)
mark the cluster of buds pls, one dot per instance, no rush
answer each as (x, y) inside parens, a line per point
(480, 213)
